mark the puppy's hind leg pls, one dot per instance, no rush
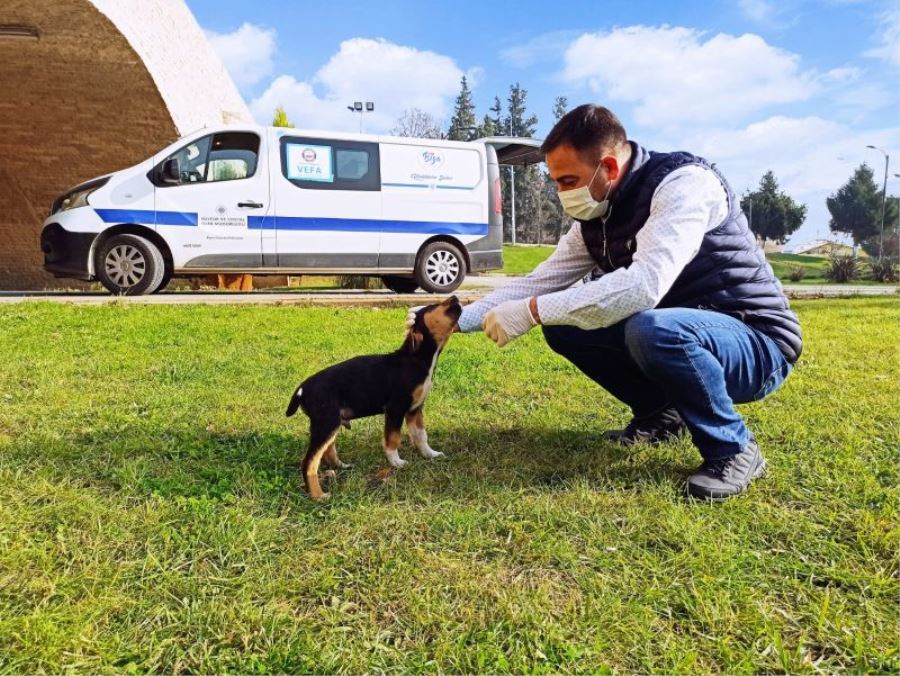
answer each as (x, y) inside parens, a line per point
(322, 435)
(331, 458)
(415, 425)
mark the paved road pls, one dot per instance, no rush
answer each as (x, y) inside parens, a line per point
(473, 288)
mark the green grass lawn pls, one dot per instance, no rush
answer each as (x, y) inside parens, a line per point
(151, 517)
(813, 267)
(520, 260)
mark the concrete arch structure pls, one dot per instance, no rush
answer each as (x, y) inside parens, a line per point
(89, 87)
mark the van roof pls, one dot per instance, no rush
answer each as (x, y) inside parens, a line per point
(516, 150)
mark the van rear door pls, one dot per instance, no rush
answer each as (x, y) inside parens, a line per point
(515, 151)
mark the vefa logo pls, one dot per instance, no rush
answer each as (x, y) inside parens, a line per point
(431, 159)
(309, 155)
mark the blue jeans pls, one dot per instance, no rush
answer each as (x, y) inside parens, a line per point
(699, 361)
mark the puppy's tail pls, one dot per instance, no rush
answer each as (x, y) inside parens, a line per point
(294, 403)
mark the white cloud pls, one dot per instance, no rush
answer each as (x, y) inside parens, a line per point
(843, 74)
(757, 10)
(545, 47)
(675, 76)
(888, 37)
(811, 158)
(395, 77)
(247, 53)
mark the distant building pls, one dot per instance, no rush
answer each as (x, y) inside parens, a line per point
(89, 87)
(824, 247)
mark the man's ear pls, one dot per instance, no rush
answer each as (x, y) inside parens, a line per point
(611, 163)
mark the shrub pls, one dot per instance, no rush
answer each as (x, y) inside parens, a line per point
(883, 269)
(841, 269)
(797, 273)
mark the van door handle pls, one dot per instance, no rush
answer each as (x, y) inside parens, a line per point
(251, 205)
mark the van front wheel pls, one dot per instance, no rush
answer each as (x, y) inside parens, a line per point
(129, 265)
(440, 267)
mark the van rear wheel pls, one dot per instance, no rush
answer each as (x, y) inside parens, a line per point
(400, 284)
(129, 265)
(440, 267)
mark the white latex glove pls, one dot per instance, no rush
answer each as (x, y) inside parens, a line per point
(508, 321)
(411, 315)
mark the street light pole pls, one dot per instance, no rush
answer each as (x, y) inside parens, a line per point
(357, 107)
(512, 193)
(887, 161)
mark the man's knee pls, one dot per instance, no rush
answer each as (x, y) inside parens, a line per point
(560, 338)
(647, 334)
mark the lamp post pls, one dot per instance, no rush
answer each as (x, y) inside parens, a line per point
(898, 225)
(357, 107)
(512, 193)
(887, 161)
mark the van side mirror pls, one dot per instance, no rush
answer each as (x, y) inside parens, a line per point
(171, 171)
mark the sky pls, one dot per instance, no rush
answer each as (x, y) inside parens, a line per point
(795, 86)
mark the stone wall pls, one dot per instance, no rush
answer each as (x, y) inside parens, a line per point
(79, 101)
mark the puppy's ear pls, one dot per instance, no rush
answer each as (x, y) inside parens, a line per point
(414, 339)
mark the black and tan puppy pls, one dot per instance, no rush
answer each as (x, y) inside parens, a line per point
(395, 384)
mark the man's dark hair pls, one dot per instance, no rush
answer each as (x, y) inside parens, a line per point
(589, 129)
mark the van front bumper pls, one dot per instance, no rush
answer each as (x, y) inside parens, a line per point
(67, 254)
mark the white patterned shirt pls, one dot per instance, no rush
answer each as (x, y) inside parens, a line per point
(687, 204)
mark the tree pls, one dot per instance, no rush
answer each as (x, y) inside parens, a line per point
(462, 124)
(890, 247)
(486, 128)
(554, 221)
(281, 118)
(560, 107)
(418, 124)
(497, 117)
(528, 181)
(773, 214)
(856, 207)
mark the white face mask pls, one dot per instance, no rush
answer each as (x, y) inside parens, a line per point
(581, 205)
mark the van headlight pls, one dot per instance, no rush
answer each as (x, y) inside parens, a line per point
(77, 197)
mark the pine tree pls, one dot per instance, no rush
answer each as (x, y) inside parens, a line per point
(554, 221)
(462, 124)
(486, 128)
(560, 107)
(528, 181)
(516, 121)
(497, 118)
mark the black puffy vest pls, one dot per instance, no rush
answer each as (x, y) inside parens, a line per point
(729, 274)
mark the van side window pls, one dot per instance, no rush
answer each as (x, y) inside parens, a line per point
(232, 156)
(319, 164)
(227, 156)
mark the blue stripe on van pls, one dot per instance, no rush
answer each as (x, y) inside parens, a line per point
(365, 225)
(147, 217)
(427, 185)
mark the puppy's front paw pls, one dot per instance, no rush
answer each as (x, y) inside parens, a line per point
(431, 454)
(394, 459)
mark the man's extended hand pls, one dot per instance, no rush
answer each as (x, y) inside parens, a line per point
(508, 321)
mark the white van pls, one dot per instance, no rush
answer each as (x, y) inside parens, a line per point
(267, 200)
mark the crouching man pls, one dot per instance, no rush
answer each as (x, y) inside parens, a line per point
(687, 317)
